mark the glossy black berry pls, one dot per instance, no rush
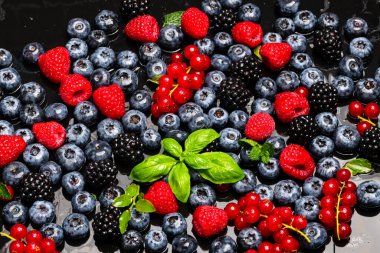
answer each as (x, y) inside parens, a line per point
(248, 69)
(323, 97)
(369, 146)
(36, 186)
(225, 20)
(106, 224)
(100, 174)
(233, 94)
(302, 129)
(328, 44)
(134, 8)
(129, 148)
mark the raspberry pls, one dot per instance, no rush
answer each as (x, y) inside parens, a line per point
(75, 89)
(110, 100)
(195, 23)
(259, 126)
(296, 162)
(276, 55)
(209, 220)
(247, 33)
(55, 64)
(161, 196)
(50, 134)
(11, 147)
(143, 29)
(289, 105)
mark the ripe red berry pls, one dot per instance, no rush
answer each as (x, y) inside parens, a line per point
(16, 247)
(363, 126)
(279, 235)
(156, 113)
(176, 69)
(165, 104)
(184, 80)
(190, 50)
(372, 110)
(266, 206)
(265, 247)
(252, 199)
(285, 213)
(200, 73)
(350, 186)
(166, 80)
(277, 248)
(303, 91)
(263, 228)
(327, 215)
(33, 247)
(232, 210)
(200, 62)
(48, 245)
(274, 223)
(176, 57)
(344, 231)
(33, 236)
(181, 95)
(331, 187)
(160, 92)
(348, 198)
(242, 202)
(343, 175)
(299, 222)
(18, 231)
(328, 202)
(355, 109)
(289, 244)
(252, 214)
(344, 214)
(241, 222)
(196, 81)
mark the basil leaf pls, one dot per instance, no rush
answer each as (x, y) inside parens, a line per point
(172, 147)
(4, 192)
(152, 168)
(179, 181)
(247, 142)
(197, 161)
(144, 206)
(125, 217)
(222, 169)
(132, 190)
(199, 139)
(173, 18)
(268, 147)
(359, 166)
(255, 153)
(123, 201)
(141, 195)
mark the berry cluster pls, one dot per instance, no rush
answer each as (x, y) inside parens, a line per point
(371, 111)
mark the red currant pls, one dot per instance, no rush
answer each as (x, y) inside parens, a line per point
(327, 215)
(284, 212)
(196, 81)
(200, 62)
(343, 175)
(344, 214)
(330, 226)
(279, 235)
(156, 113)
(289, 244)
(372, 110)
(18, 231)
(344, 231)
(277, 248)
(16, 247)
(181, 95)
(363, 126)
(331, 187)
(303, 91)
(232, 210)
(176, 57)
(242, 202)
(190, 50)
(263, 228)
(266, 206)
(250, 251)
(166, 80)
(176, 69)
(252, 199)
(161, 91)
(274, 223)
(33, 247)
(47, 245)
(184, 80)
(348, 198)
(265, 247)
(165, 104)
(350, 186)
(355, 109)
(200, 73)
(33, 236)
(299, 222)
(241, 222)
(252, 214)
(329, 202)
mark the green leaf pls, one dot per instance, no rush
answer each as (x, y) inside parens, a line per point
(359, 166)
(255, 153)
(154, 79)
(268, 147)
(197, 161)
(247, 142)
(256, 51)
(173, 18)
(179, 181)
(123, 201)
(141, 196)
(172, 147)
(199, 139)
(265, 158)
(125, 217)
(152, 168)
(4, 193)
(222, 169)
(144, 206)
(132, 190)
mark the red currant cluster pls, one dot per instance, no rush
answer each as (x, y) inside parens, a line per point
(340, 198)
(177, 86)
(371, 111)
(29, 242)
(276, 222)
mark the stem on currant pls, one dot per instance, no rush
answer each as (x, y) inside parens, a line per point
(337, 210)
(172, 90)
(8, 236)
(152, 81)
(188, 70)
(367, 120)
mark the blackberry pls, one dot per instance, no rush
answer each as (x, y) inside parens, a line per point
(212, 147)
(225, 20)
(106, 224)
(36, 186)
(134, 8)
(328, 44)
(233, 94)
(369, 146)
(100, 174)
(323, 97)
(129, 148)
(248, 69)
(302, 129)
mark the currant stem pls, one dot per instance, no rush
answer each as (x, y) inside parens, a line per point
(337, 210)
(8, 236)
(171, 92)
(188, 70)
(152, 81)
(367, 120)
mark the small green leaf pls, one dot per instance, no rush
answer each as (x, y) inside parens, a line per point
(255, 153)
(179, 181)
(359, 166)
(247, 142)
(123, 201)
(152, 168)
(141, 196)
(265, 158)
(268, 147)
(4, 193)
(256, 52)
(125, 217)
(199, 139)
(196, 161)
(173, 18)
(132, 190)
(144, 206)
(172, 147)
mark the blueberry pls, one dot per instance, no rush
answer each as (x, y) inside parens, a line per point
(278, 144)
(56, 112)
(109, 129)
(346, 139)
(14, 172)
(223, 40)
(205, 98)
(201, 194)
(301, 61)
(205, 46)
(141, 100)
(321, 146)
(238, 119)
(41, 212)
(298, 42)
(156, 67)
(229, 138)
(26, 134)
(218, 117)
(30, 114)
(6, 128)
(5, 58)
(149, 51)
(107, 21)
(139, 221)
(52, 171)
(262, 105)
(272, 37)
(178, 135)
(327, 167)
(10, 107)
(344, 85)
(98, 150)
(126, 79)
(284, 26)
(188, 111)
(168, 121)
(151, 139)
(200, 121)
(287, 80)
(134, 121)
(77, 48)
(327, 122)
(73, 182)
(127, 59)
(35, 155)
(211, 7)
(14, 212)
(328, 19)
(249, 238)
(270, 170)
(132, 241)
(83, 202)
(361, 47)
(351, 66)
(232, 4)
(31, 52)
(78, 134)
(83, 67)
(109, 194)
(355, 27)
(287, 192)
(86, 113)
(307, 206)
(97, 38)
(32, 92)
(367, 90)
(238, 51)
(10, 80)
(155, 241)
(244, 156)
(76, 226)
(103, 57)
(287, 7)
(368, 193)
(311, 76)
(174, 224)
(214, 79)
(100, 77)
(305, 21)
(223, 244)
(247, 184)
(312, 187)
(249, 12)
(265, 191)
(70, 157)
(377, 75)
(220, 62)
(317, 234)
(53, 231)
(184, 244)
(266, 87)
(78, 28)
